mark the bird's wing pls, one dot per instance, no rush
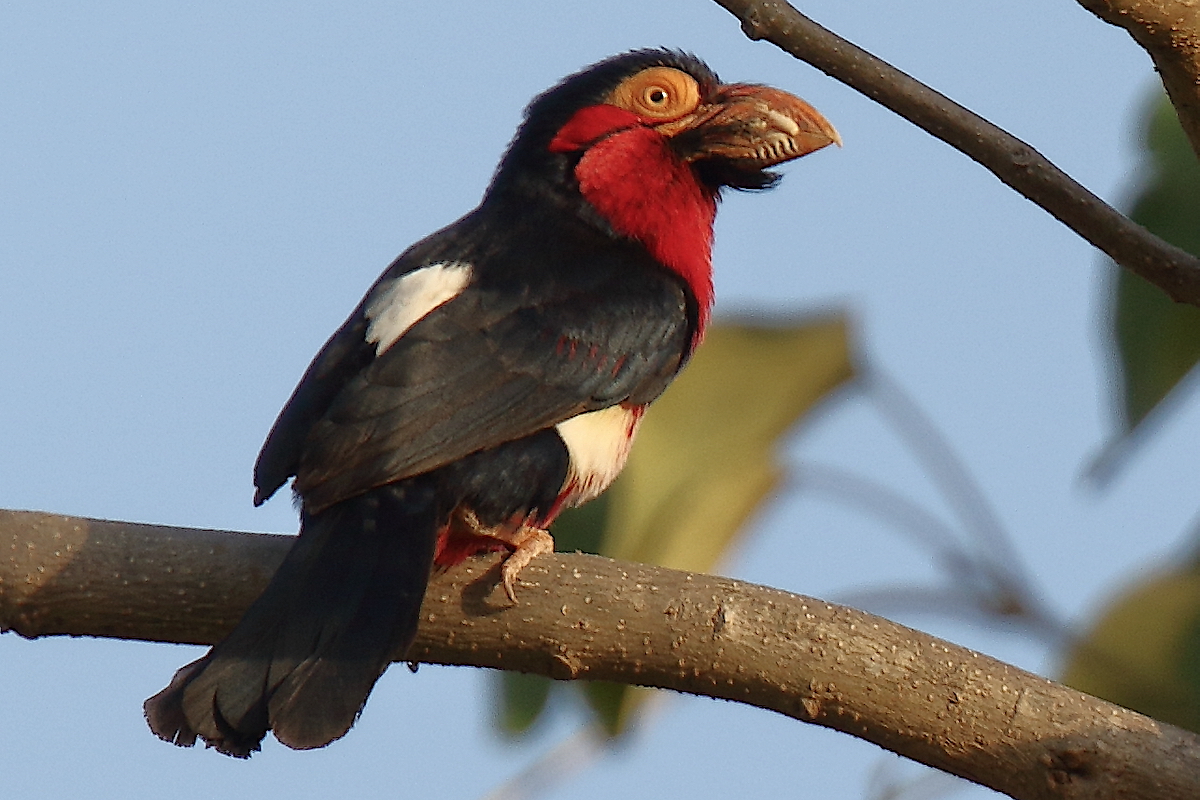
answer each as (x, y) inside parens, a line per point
(346, 352)
(489, 366)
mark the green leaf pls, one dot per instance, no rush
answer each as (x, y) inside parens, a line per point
(1144, 652)
(1157, 340)
(614, 704)
(523, 698)
(704, 460)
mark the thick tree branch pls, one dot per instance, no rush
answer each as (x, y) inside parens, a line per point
(588, 617)
(1169, 30)
(1011, 160)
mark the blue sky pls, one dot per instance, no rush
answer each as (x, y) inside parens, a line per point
(194, 197)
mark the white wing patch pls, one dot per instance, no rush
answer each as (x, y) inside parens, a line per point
(403, 302)
(598, 444)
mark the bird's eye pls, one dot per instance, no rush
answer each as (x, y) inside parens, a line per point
(658, 93)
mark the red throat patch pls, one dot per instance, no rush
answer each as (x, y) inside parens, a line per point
(647, 193)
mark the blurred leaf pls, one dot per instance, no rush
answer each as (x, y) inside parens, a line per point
(705, 455)
(704, 461)
(522, 700)
(1158, 340)
(1144, 653)
(614, 704)
(582, 529)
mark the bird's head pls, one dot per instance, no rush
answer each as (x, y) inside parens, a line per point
(642, 143)
(731, 134)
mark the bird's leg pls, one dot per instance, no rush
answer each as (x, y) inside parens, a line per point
(466, 534)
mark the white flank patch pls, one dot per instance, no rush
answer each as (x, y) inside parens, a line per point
(598, 444)
(403, 302)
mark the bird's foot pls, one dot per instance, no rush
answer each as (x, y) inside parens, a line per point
(528, 543)
(466, 534)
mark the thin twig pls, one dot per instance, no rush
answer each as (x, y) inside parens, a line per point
(566, 759)
(1011, 160)
(993, 589)
(943, 466)
(904, 515)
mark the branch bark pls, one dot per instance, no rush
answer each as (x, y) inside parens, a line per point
(1011, 160)
(587, 617)
(1169, 30)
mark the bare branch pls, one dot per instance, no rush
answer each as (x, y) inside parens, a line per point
(1169, 30)
(588, 617)
(1011, 160)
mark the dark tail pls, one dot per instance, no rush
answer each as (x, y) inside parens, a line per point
(306, 654)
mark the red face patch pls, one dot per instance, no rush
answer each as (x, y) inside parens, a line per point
(589, 125)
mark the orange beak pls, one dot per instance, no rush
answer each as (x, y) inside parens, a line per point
(754, 127)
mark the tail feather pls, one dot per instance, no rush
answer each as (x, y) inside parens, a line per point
(305, 656)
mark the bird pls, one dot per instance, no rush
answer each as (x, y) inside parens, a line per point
(494, 375)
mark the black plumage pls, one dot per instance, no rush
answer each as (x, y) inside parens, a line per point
(384, 447)
(439, 407)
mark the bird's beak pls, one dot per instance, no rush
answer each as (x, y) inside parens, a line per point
(754, 127)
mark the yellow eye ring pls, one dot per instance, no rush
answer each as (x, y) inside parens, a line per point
(659, 93)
